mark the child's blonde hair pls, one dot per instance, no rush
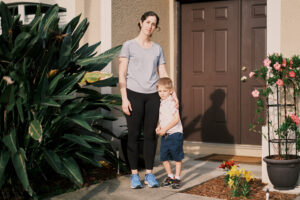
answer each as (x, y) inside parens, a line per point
(165, 82)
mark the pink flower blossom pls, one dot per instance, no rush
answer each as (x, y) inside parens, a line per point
(279, 82)
(292, 74)
(276, 66)
(255, 93)
(289, 114)
(251, 74)
(295, 119)
(267, 62)
(284, 63)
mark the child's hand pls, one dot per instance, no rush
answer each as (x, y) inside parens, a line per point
(175, 99)
(157, 130)
(162, 132)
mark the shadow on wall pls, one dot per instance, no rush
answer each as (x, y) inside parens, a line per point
(212, 126)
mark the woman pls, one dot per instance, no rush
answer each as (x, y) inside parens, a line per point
(141, 64)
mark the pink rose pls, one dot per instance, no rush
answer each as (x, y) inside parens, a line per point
(255, 93)
(284, 63)
(295, 119)
(267, 62)
(251, 74)
(276, 66)
(292, 74)
(279, 82)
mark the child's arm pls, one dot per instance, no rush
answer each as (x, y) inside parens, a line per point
(175, 120)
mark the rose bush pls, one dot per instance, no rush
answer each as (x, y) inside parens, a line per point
(281, 77)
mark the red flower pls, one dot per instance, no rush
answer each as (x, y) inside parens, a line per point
(227, 165)
(292, 74)
(283, 63)
(279, 82)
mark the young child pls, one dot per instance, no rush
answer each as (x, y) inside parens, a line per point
(170, 128)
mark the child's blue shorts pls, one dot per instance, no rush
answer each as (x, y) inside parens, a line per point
(171, 147)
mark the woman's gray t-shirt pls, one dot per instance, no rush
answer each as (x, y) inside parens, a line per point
(143, 64)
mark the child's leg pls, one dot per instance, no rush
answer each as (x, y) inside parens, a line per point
(167, 166)
(178, 168)
(168, 181)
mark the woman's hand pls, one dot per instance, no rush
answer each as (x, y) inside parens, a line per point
(126, 107)
(175, 99)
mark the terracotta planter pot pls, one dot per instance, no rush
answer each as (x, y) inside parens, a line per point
(283, 174)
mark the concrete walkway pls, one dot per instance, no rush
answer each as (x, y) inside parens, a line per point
(194, 172)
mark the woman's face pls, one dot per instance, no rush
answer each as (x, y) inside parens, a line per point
(148, 25)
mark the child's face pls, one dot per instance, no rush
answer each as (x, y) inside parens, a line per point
(164, 92)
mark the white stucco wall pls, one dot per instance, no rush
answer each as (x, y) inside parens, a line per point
(290, 29)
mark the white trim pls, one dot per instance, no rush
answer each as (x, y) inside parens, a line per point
(273, 26)
(273, 46)
(106, 33)
(171, 40)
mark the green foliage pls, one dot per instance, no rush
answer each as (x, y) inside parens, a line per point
(46, 116)
(282, 74)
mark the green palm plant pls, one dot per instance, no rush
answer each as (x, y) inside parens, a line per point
(45, 114)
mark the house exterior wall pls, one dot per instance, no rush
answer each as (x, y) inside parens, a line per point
(90, 9)
(290, 30)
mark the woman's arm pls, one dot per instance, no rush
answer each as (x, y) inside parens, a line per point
(123, 67)
(162, 71)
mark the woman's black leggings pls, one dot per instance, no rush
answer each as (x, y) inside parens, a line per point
(145, 111)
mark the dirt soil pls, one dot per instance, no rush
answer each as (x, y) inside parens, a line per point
(57, 185)
(217, 188)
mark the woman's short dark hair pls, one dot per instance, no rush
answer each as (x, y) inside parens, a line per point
(147, 14)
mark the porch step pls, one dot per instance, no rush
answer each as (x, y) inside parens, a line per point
(197, 148)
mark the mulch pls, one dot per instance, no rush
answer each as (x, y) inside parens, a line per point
(216, 188)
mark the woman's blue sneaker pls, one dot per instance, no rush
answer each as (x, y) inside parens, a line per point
(135, 181)
(150, 180)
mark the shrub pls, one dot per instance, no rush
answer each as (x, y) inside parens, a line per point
(46, 116)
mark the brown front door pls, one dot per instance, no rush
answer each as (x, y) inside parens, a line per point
(214, 103)
(254, 49)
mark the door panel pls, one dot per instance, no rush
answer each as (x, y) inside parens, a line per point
(253, 52)
(210, 60)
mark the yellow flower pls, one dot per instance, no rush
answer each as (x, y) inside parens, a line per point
(52, 72)
(238, 172)
(230, 183)
(234, 168)
(248, 176)
(243, 171)
(233, 171)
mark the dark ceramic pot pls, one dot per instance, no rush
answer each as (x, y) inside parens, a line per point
(283, 174)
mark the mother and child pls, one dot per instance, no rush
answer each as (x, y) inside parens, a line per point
(150, 104)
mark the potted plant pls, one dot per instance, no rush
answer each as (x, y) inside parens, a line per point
(47, 114)
(278, 100)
